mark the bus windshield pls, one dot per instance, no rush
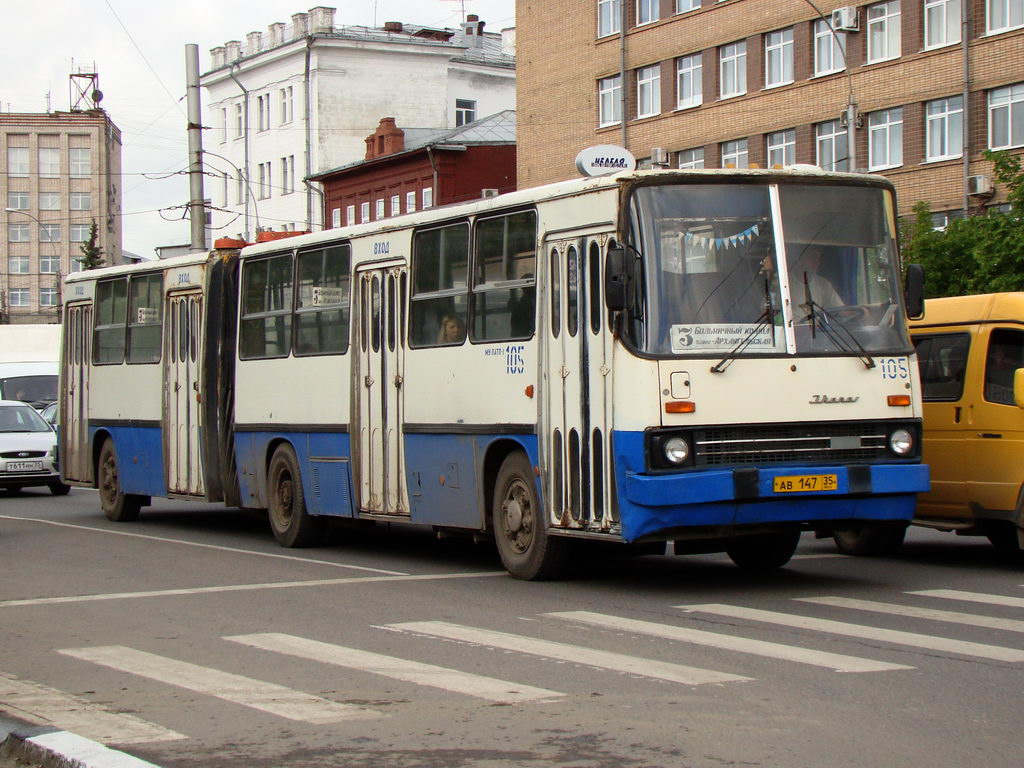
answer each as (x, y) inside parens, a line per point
(743, 269)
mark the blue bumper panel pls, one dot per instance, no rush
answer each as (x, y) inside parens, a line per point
(140, 462)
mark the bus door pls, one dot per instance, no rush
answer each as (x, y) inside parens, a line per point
(577, 399)
(74, 418)
(378, 385)
(182, 369)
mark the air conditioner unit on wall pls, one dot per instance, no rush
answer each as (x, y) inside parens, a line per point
(979, 185)
(845, 19)
(488, 193)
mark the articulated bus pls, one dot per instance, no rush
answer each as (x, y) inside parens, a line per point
(717, 359)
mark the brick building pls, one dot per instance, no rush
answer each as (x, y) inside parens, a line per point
(746, 82)
(408, 170)
(61, 172)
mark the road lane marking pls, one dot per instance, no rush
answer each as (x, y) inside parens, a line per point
(398, 669)
(244, 588)
(199, 545)
(255, 694)
(835, 661)
(929, 642)
(618, 662)
(953, 617)
(972, 597)
(48, 706)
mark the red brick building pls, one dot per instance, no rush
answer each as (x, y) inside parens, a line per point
(408, 170)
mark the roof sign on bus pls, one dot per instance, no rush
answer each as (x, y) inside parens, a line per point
(722, 337)
(603, 159)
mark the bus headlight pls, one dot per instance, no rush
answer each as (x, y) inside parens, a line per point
(901, 442)
(676, 450)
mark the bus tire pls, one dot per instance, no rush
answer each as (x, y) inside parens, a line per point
(520, 528)
(118, 506)
(1002, 534)
(764, 552)
(292, 525)
(870, 541)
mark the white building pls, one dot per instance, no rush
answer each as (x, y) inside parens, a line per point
(301, 99)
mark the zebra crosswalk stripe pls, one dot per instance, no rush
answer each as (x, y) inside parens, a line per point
(929, 642)
(972, 597)
(256, 694)
(835, 661)
(618, 662)
(398, 669)
(42, 704)
(952, 617)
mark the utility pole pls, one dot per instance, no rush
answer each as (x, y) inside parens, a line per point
(197, 202)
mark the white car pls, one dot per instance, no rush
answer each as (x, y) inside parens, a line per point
(28, 450)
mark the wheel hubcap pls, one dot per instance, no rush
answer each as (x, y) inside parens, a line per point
(517, 514)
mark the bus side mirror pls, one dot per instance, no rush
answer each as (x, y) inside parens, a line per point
(1018, 387)
(913, 291)
(619, 274)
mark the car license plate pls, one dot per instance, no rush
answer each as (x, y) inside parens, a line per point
(24, 466)
(805, 483)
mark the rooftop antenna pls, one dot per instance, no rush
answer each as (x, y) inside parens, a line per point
(462, 7)
(85, 88)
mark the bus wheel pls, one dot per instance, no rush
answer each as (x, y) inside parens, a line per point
(292, 525)
(520, 531)
(764, 552)
(870, 541)
(1003, 536)
(116, 505)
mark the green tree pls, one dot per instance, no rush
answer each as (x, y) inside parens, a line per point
(977, 254)
(92, 252)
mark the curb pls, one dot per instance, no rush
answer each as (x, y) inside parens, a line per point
(53, 748)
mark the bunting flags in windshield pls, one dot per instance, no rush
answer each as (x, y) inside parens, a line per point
(694, 240)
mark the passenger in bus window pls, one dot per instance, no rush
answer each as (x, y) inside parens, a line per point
(452, 331)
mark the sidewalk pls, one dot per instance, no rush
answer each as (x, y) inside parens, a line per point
(23, 745)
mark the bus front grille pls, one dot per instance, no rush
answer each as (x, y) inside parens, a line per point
(824, 443)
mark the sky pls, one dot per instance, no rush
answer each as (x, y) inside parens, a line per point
(137, 47)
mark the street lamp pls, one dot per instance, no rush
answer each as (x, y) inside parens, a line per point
(56, 252)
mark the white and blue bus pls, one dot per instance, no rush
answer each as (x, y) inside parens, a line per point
(713, 358)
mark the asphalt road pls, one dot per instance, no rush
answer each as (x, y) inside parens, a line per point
(189, 639)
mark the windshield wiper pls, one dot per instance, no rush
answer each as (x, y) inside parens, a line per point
(833, 328)
(767, 318)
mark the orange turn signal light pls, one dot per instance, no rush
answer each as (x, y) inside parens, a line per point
(680, 406)
(898, 399)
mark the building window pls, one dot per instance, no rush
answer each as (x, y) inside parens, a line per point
(335, 218)
(18, 297)
(941, 219)
(682, 6)
(691, 158)
(410, 202)
(831, 146)
(263, 112)
(733, 61)
(396, 205)
(941, 23)
(81, 201)
(81, 162)
(379, 208)
(883, 31)
(350, 215)
(287, 175)
(648, 91)
(17, 161)
(48, 297)
(610, 103)
(734, 154)
(79, 233)
(609, 17)
(49, 201)
(49, 162)
(778, 58)
(239, 122)
(428, 197)
(17, 201)
(689, 81)
(1006, 117)
(18, 265)
(364, 212)
(17, 233)
(49, 265)
(781, 148)
(647, 11)
(264, 189)
(49, 233)
(465, 111)
(287, 96)
(944, 128)
(224, 124)
(829, 49)
(885, 139)
(1002, 15)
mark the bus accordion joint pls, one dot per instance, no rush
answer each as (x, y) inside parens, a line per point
(681, 406)
(898, 400)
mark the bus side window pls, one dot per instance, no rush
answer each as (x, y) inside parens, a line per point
(1005, 356)
(111, 319)
(504, 288)
(942, 360)
(440, 266)
(266, 307)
